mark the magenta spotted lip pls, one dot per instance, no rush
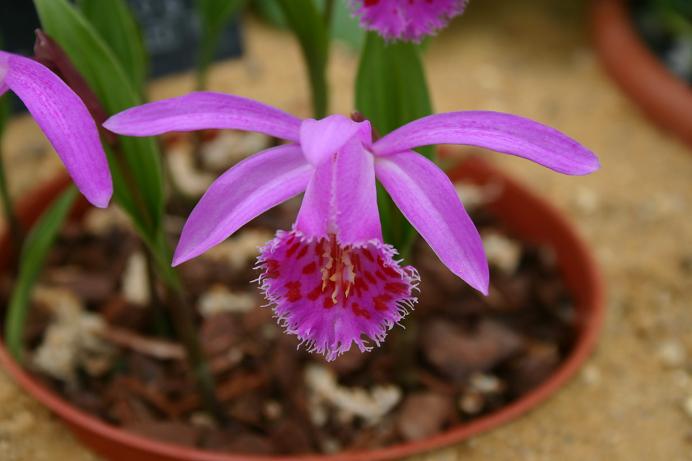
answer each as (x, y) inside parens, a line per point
(524, 213)
(329, 295)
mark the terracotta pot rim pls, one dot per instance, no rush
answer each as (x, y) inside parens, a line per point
(664, 97)
(583, 347)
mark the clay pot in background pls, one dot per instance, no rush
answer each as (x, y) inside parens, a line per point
(664, 97)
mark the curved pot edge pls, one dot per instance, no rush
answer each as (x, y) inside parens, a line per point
(665, 98)
(87, 427)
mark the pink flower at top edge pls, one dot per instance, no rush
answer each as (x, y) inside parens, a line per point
(409, 20)
(332, 281)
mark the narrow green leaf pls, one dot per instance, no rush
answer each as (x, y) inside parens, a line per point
(117, 26)
(391, 90)
(307, 23)
(269, 11)
(100, 67)
(344, 26)
(214, 16)
(36, 248)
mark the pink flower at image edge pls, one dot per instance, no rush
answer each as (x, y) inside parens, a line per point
(409, 20)
(331, 279)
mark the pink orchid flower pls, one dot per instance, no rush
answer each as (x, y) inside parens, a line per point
(406, 20)
(331, 279)
(64, 119)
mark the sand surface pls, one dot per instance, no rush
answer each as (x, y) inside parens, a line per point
(533, 59)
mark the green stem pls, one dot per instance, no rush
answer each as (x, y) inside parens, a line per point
(308, 25)
(328, 14)
(318, 86)
(162, 323)
(177, 195)
(207, 51)
(180, 312)
(148, 227)
(184, 323)
(16, 231)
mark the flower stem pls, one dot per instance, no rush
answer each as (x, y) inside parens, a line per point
(16, 231)
(162, 322)
(328, 13)
(308, 25)
(184, 324)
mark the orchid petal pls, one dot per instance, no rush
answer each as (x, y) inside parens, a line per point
(66, 122)
(204, 110)
(341, 198)
(242, 193)
(427, 198)
(321, 138)
(504, 133)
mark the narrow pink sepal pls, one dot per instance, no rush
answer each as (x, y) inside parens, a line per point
(204, 110)
(65, 121)
(506, 133)
(428, 199)
(242, 193)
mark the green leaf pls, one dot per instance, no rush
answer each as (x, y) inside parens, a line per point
(344, 27)
(308, 25)
(36, 248)
(214, 16)
(141, 163)
(117, 26)
(391, 90)
(269, 11)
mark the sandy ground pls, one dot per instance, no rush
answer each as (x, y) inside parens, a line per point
(533, 59)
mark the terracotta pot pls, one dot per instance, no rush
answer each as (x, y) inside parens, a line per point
(528, 215)
(663, 96)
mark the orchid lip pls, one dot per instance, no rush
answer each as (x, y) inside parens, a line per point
(333, 295)
(410, 21)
